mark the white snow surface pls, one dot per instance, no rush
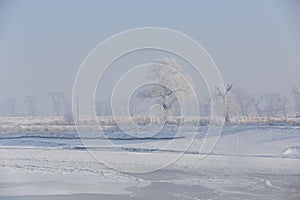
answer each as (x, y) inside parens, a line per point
(249, 161)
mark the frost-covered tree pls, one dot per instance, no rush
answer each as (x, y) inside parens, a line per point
(205, 106)
(2, 110)
(273, 105)
(10, 105)
(103, 108)
(227, 99)
(243, 100)
(296, 97)
(174, 85)
(256, 102)
(57, 100)
(270, 105)
(280, 105)
(30, 103)
(68, 115)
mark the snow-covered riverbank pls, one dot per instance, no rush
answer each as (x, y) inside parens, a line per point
(248, 162)
(48, 124)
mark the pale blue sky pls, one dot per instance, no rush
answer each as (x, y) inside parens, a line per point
(255, 44)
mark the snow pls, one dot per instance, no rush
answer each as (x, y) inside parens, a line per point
(295, 150)
(248, 162)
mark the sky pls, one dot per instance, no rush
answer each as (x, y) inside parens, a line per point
(255, 44)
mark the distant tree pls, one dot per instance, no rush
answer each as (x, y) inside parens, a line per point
(103, 108)
(2, 110)
(30, 103)
(167, 72)
(205, 106)
(256, 101)
(296, 97)
(57, 100)
(68, 115)
(10, 105)
(243, 100)
(227, 101)
(274, 105)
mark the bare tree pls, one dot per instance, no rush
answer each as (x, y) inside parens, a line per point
(10, 105)
(273, 105)
(296, 96)
(281, 105)
(103, 108)
(57, 99)
(243, 100)
(169, 73)
(2, 110)
(228, 106)
(30, 102)
(68, 115)
(205, 106)
(256, 101)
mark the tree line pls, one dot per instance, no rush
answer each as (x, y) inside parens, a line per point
(241, 103)
(175, 86)
(29, 106)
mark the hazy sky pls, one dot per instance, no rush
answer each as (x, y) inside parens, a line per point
(255, 44)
